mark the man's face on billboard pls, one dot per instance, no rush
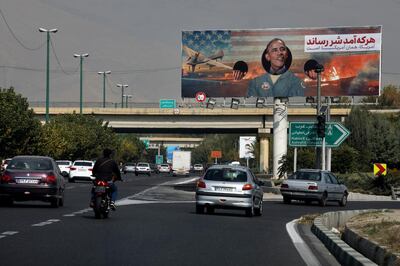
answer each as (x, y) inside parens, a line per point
(277, 54)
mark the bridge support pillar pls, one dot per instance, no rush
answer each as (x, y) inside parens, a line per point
(264, 134)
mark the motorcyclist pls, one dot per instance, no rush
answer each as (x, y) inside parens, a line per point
(106, 169)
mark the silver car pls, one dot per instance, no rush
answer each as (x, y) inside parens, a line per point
(229, 187)
(314, 185)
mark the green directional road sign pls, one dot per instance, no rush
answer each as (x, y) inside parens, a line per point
(146, 143)
(167, 103)
(304, 134)
(159, 159)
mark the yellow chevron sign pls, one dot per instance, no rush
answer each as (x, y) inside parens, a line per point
(379, 169)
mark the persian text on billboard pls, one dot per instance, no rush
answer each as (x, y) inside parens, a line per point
(237, 63)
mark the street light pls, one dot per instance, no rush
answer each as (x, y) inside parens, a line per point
(126, 98)
(81, 56)
(122, 86)
(48, 69)
(104, 73)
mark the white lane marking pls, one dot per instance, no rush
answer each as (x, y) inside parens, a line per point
(9, 233)
(50, 221)
(2, 236)
(70, 187)
(304, 251)
(187, 181)
(128, 201)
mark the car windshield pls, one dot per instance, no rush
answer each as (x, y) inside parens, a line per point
(229, 175)
(30, 164)
(143, 164)
(130, 164)
(197, 165)
(310, 176)
(83, 164)
(164, 165)
(63, 163)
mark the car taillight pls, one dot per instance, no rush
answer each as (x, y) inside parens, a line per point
(51, 179)
(5, 178)
(284, 186)
(201, 184)
(72, 168)
(247, 187)
(312, 187)
(90, 169)
(101, 183)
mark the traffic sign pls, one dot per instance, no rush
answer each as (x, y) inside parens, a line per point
(167, 103)
(379, 169)
(146, 143)
(159, 159)
(200, 97)
(304, 134)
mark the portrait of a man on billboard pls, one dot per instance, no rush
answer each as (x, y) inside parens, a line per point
(281, 62)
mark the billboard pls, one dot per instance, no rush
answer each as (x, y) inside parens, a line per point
(281, 62)
(246, 146)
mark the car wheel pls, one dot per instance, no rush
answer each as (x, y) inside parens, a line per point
(250, 211)
(136, 174)
(61, 200)
(322, 201)
(259, 210)
(71, 180)
(343, 201)
(7, 201)
(149, 174)
(199, 209)
(286, 200)
(55, 203)
(210, 209)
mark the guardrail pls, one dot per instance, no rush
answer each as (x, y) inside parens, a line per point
(395, 192)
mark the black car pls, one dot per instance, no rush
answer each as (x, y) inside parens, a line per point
(33, 178)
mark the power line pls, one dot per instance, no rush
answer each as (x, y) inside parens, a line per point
(15, 37)
(58, 61)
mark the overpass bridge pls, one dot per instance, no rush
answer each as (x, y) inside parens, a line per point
(254, 121)
(192, 120)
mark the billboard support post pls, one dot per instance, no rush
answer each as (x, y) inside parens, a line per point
(319, 69)
(280, 135)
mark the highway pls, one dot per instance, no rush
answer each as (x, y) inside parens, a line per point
(155, 224)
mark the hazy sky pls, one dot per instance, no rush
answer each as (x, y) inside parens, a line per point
(140, 40)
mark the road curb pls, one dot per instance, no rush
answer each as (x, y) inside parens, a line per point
(345, 254)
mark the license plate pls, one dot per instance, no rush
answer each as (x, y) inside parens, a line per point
(26, 181)
(82, 170)
(100, 189)
(225, 189)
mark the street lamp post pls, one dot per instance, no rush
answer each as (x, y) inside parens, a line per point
(104, 73)
(122, 86)
(126, 99)
(81, 56)
(48, 69)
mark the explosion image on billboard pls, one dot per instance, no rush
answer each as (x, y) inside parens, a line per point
(282, 62)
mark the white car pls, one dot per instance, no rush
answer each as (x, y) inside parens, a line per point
(198, 168)
(164, 168)
(64, 165)
(81, 170)
(142, 168)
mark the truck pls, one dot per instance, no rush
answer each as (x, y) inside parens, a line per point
(181, 161)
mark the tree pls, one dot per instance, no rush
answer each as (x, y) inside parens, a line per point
(19, 130)
(74, 136)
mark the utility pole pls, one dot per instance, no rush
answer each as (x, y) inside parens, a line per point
(48, 70)
(81, 56)
(104, 73)
(122, 86)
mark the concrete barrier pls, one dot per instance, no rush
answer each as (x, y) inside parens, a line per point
(344, 254)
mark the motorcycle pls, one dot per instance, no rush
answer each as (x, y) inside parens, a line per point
(101, 201)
